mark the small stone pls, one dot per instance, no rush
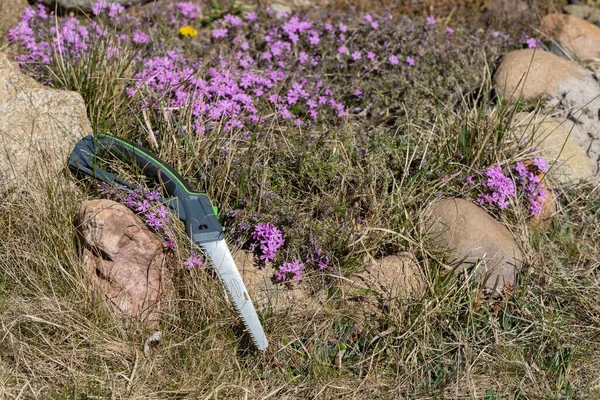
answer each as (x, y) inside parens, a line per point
(264, 290)
(590, 14)
(124, 260)
(557, 141)
(397, 276)
(581, 38)
(472, 236)
(533, 73)
(505, 10)
(155, 338)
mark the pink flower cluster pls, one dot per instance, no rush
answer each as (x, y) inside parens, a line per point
(145, 202)
(268, 239)
(500, 188)
(291, 270)
(273, 64)
(194, 260)
(529, 178)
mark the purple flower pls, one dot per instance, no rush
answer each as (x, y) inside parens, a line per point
(251, 16)
(500, 188)
(153, 195)
(531, 43)
(220, 33)
(286, 269)
(154, 221)
(193, 260)
(233, 20)
(342, 49)
(302, 57)
(449, 31)
(393, 60)
(541, 164)
(189, 10)
(140, 37)
(410, 61)
(142, 206)
(371, 55)
(162, 212)
(530, 183)
(342, 27)
(269, 239)
(98, 7)
(356, 56)
(431, 20)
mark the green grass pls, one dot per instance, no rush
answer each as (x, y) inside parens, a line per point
(58, 340)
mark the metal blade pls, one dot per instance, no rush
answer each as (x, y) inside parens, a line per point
(221, 257)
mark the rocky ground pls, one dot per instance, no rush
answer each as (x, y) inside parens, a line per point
(409, 191)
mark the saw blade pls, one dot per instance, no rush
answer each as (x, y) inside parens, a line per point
(221, 257)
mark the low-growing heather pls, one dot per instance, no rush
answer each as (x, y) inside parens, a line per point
(322, 137)
(226, 88)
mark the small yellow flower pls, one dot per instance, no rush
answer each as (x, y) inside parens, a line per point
(188, 31)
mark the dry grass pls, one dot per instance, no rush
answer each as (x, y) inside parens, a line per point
(59, 340)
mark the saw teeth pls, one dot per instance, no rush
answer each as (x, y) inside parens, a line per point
(261, 345)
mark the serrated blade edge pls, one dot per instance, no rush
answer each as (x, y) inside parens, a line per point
(221, 257)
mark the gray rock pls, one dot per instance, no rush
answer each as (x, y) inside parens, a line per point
(591, 14)
(10, 15)
(469, 234)
(38, 126)
(580, 37)
(531, 73)
(558, 142)
(505, 10)
(573, 93)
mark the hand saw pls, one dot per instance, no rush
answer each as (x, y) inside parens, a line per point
(193, 208)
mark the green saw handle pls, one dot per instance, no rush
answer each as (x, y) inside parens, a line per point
(193, 208)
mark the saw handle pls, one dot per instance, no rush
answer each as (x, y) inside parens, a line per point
(193, 208)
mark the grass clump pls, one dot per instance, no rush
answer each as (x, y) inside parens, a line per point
(292, 122)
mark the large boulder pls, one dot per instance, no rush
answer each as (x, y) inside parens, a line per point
(125, 262)
(38, 126)
(474, 239)
(10, 15)
(573, 92)
(580, 37)
(532, 73)
(558, 141)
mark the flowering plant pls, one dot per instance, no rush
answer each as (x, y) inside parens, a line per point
(500, 189)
